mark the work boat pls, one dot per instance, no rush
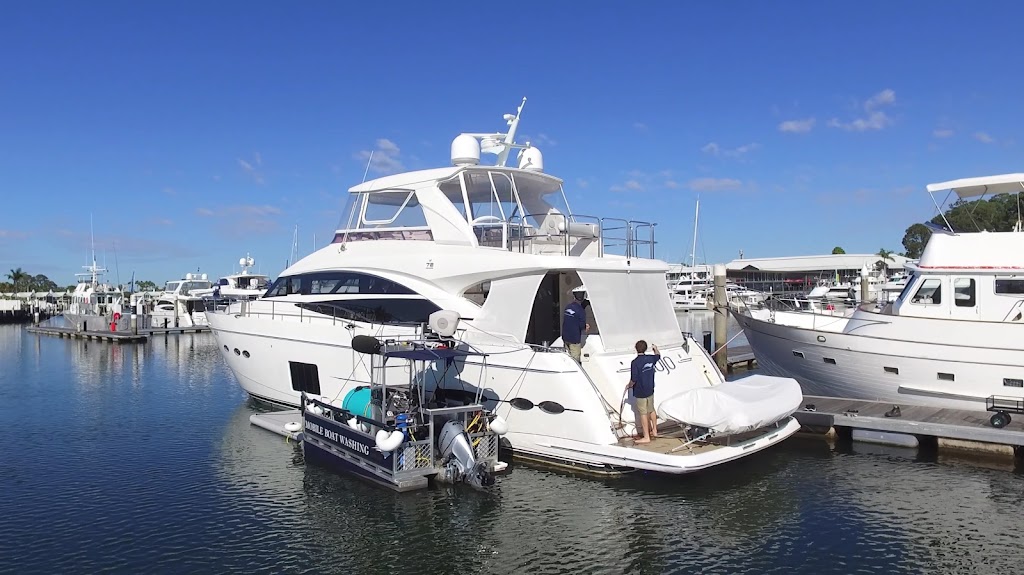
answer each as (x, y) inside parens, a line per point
(953, 338)
(94, 304)
(496, 248)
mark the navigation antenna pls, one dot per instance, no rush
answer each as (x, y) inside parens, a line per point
(510, 137)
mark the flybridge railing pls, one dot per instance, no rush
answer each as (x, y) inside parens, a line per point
(634, 238)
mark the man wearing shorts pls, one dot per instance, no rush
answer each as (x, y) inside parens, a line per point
(574, 324)
(641, 379)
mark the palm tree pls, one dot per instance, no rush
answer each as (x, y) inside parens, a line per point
(16, 276)
(883, 255)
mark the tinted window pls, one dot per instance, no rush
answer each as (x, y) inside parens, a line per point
(1010, 286)
(319, 283)
(375, 310)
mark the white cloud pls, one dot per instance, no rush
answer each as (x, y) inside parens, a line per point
(882, 98)
(634, 185)
(204, 212)
(984, 138)
(640, 126)
(13, 234)
(252, 169)
(714, 149)
(163, 222)
(582, 183)
(942, 133)
(671, 184)
(714, 184)
(875, 119)
(797, 126)
(544, 140)
(385, 158)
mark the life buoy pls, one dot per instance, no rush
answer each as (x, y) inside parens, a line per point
(830, 307)
(117, 316)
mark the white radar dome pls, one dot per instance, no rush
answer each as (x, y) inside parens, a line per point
(531, 159)
(465, 151)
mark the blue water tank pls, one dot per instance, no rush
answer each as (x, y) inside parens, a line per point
(357, 401)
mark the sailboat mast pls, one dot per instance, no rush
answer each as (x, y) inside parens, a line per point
(693, 252)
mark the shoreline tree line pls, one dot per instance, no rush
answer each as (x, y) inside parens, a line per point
(19, 281)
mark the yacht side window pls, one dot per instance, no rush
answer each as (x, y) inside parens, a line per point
(1008, 286)
(963, 292)
(278, 289)
(930, 292)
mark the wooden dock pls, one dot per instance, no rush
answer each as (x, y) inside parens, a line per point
(173, 330)
(740, 354)
(116, 336)
(72, 333)
(924, 423)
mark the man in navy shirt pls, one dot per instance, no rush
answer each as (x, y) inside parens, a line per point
(574, 323)
(641, 379)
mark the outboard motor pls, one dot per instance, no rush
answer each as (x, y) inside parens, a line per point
(460, 461)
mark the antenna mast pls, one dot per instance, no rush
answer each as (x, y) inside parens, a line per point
(510, 137)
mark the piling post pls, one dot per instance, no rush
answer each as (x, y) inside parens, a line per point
(135, 324)
(865, 295)
(721, 319)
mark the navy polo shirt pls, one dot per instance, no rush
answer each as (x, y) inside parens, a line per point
(641, 373)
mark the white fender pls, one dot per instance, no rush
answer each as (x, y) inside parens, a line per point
(389, 441)
(498, 425)
(353, 423)
(293, 426)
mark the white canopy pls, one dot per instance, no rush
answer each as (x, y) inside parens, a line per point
(985, 185)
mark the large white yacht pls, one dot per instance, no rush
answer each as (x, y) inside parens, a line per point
(179, 305)
(94, 304)
(243, 285)
(952, 338)
(495, 249)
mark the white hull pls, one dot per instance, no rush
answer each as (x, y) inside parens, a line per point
(584, 435)
(890, 369)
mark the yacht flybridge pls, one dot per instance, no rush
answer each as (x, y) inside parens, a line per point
(489, 255)
(953, 338)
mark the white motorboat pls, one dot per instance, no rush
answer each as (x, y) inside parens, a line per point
(244, 285)
(493, 253)
(180, 305)
(94, 304)
(953, 338)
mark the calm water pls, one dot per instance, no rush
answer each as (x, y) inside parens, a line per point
(141, 459)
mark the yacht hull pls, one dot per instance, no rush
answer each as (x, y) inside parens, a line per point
(584, 435)
(889, 359)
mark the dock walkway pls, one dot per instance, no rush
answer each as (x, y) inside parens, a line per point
(919, 421)
(70, 332)
(115, 336)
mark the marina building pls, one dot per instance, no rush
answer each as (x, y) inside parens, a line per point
(801, 274)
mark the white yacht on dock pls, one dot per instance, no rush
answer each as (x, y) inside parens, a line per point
(94, 304)
(495, 253)
(180, 305)
(241, 286)
(953, 338)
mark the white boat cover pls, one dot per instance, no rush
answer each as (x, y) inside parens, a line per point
(735, 406)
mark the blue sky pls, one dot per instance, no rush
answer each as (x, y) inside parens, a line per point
(197, 132)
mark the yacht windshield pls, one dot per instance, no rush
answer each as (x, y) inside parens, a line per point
(505, 195)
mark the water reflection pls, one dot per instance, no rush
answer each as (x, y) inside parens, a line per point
(144, 460)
